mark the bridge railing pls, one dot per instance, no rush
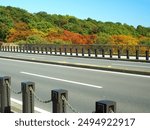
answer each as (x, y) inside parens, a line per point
(92, 51)
(59, 99)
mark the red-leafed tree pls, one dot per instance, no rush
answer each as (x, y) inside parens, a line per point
(75, 38)
(20, 32)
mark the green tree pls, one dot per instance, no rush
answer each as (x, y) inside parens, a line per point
(36, 39)
(5, 25)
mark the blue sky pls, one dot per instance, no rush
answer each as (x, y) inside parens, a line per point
(132, 12)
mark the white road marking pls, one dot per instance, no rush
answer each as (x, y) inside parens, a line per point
(131, 65)
(35, 108)
(62, 80)
(78, 68)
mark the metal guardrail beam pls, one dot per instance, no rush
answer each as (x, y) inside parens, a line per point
(97, 51)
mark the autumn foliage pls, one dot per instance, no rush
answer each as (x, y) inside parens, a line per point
(123, 40)
(74, 38)
(20, 32)
(20, 26)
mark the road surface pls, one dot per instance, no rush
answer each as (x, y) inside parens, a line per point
(126, 65)
(85, 86)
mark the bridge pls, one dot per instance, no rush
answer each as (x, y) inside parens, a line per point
(86, 79)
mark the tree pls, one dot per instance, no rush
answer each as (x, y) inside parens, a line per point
(143, 31)
(103, 38)
(20, 32)
(19, 25)
(123, 40)
(6, 23)
(35, 39)
(144, 41)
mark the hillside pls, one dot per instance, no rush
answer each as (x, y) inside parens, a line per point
(19, 26)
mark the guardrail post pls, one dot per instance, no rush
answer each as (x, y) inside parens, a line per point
(11, 48)
(50, 50)
(58, 104)
(119, 54)
(5, 94)
(137, 54)
(82, 51)
(76, 51)
(70, 51)
(110, 51)
(55, 51)
(127, 52)
(23, 49)
(103, 53)
(37, 50)
(20, 49)
(89, 52)
(17, 48)
(27, 97)
(95, 51)
(26, 49)
(65, 51)
(105, 106)
(147, 55)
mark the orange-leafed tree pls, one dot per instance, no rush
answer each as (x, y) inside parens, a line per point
(72, 37)
(20, 32)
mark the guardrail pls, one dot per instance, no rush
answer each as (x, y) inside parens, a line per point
(59, 99)
(92, 51)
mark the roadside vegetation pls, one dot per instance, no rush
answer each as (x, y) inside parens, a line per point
(21, 27)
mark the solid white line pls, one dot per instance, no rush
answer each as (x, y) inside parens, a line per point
(77, 68)
(132, 65)
(62, 80)
(36, 108)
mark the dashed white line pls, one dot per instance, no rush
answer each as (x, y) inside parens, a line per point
(62, 80)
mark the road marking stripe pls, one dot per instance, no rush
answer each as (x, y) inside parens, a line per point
(35, 108)
(62, 80)
(69, 67)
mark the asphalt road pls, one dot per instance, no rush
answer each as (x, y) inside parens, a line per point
(116, 64)
(85, 86)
